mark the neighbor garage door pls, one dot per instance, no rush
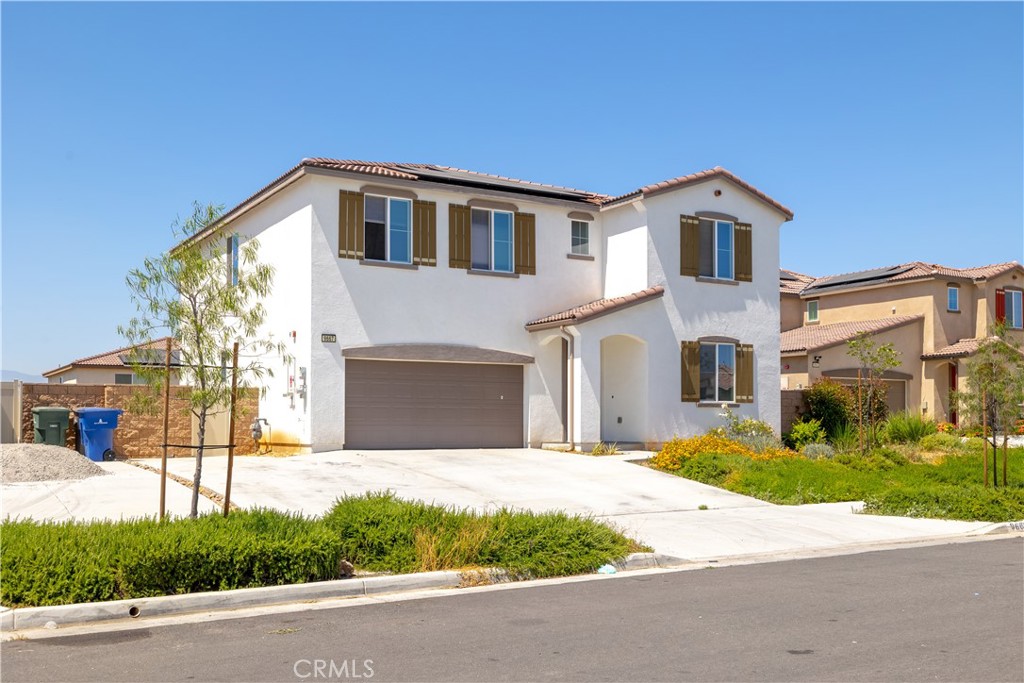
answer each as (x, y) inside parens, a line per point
(391, 404)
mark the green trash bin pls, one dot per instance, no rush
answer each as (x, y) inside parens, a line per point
(50, 424)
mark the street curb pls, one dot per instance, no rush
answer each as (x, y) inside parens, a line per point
(166, 605)
(650, 561)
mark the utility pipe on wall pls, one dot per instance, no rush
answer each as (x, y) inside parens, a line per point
(570, 383)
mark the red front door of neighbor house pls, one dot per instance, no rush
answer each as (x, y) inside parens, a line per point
(953, 387)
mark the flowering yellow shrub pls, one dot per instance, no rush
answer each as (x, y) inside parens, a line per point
(674, 452)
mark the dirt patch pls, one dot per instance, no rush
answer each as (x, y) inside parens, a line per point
(21, 462)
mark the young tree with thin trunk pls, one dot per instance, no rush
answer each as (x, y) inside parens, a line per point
(994, 392)
(205, 294)
(875, 359)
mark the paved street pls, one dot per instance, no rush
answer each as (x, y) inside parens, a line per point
(949, 613)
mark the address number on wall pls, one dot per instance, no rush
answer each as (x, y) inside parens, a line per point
(328, 338)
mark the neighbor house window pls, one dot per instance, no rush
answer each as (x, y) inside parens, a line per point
(952, 298)
(232, 263)
(122, 378)
(491, 240)
(717, 372)
(812, 311)
(716, 249)
(388, 229)
(1014, 309)
(581, 238)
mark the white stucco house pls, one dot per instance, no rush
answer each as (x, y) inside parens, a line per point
(427, 306)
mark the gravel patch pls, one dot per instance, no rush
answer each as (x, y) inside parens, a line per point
(20, 462)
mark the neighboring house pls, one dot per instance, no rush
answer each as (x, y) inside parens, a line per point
(111, 367)
(427, 306)
(935, 316)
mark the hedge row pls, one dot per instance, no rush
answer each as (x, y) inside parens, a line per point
(61, 563)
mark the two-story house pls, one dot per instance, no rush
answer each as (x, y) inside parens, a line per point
(935, 317)
(427, 306)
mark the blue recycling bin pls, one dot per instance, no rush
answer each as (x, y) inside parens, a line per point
(96, 427)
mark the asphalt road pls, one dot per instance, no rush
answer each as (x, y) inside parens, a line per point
(951, 612)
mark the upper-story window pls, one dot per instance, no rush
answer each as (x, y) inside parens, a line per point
(491, 240)
(581, 238)
(716, 247)
(952, 298)
(1010, 307)
(388, 229)
(716, 252)
(231, 270)
(812, 311)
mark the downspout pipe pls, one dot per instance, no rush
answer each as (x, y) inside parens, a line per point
(569, 385)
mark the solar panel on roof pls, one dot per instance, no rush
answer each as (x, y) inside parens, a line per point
(466, 178)
(150, 357)
(864, 276)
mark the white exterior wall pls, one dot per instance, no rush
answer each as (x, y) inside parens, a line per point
(283, 227)
(369, 304)
(635, 246)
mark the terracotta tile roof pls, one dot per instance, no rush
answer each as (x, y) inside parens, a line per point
(792, 282)
(595, 309)
(816, 337)
(963, 347)
(111, 359)
(700, 177)
(905, 272)
(457, 176)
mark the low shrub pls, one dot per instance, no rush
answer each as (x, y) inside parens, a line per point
(942, 441)
(676, 451)
(818, 451)
(805, 432)
(907, 428)
(946, 428)
(950, 502)
(759, 443)
(49, 563)
(845, 438)
(55, 564)
(832, 404)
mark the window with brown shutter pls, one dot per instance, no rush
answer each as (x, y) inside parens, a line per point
(744, 373)
(525, 244)
(690, 361)
(458, 236)
(424, 233)
(350, 224)
(744, 252)
(689, 246)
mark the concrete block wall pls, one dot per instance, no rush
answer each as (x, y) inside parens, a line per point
(137, 435)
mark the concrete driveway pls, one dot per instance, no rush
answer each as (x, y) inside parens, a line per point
(660, 509)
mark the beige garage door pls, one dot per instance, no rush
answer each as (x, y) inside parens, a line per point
(392, 404)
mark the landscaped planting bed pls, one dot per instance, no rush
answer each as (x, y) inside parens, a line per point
(46, 563)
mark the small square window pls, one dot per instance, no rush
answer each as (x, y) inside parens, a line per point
(581, 238)
(123, 378)
(952, 298)
(812, 311)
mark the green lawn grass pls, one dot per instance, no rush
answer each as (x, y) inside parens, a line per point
(885, 480)
(62, 563)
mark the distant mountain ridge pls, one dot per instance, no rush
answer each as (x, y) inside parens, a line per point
(11, 375)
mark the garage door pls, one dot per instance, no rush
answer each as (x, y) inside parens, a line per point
(432, 405)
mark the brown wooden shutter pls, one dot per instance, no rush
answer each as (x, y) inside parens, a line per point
(690, 358)
(1000, 305)
(350, 224)
(689, 246)
(458, 236)
(744, 255)
(525, 249)
(744, 373)
(424, 233)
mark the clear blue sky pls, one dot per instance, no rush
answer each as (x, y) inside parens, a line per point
(894, 131)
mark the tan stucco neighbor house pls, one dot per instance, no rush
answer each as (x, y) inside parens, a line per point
(935, 316)
(109, 367)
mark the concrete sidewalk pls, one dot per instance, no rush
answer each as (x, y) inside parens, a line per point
(659, 509)
(126, 492)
